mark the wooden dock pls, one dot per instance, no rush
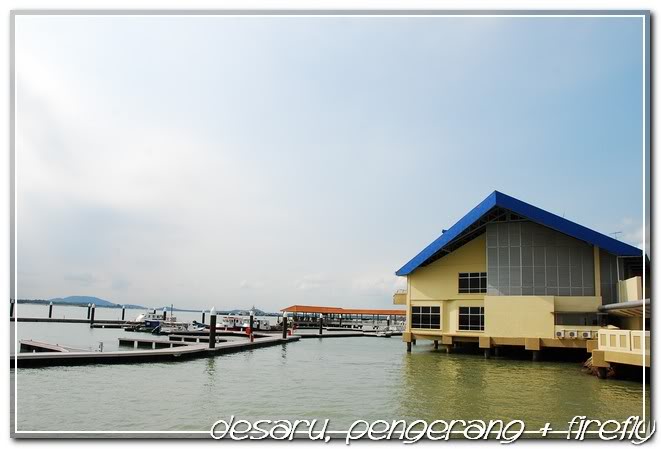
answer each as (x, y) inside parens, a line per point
(72, 320)
(182, 352)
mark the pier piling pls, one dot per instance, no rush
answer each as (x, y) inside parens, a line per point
(165, 313)
(413, 341)
(252, 322)
(535, 356)
(487, 353)
(408, 346)
(123, 312)
(321, 324)
(212, 328)
(50, 310)
(92, 314)
(435, 344)
(11, 308)
(89, 308)
(284, 327)
(203, 317)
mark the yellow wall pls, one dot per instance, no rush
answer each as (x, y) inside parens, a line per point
(440, 279)
(519, 316)
(577, 303)
(631, 289)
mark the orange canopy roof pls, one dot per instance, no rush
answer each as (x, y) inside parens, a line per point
(342, 311)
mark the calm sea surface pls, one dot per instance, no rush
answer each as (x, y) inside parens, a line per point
(343, 379)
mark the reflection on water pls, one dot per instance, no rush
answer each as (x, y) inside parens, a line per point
(342, 379)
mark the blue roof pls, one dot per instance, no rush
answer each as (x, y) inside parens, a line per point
(552, 221)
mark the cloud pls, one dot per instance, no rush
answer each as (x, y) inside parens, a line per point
(250, 285)
(81, 278)
(378, 285)
(313, 282)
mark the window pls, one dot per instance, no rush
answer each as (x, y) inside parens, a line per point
(471, 318)
(425, 317)
(472, 282)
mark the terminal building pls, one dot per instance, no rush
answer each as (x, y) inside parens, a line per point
(510, 273)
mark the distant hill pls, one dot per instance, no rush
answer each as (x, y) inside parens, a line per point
(83, 300)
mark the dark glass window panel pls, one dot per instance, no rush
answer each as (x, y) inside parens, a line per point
(426, 310)
(415, 309)
(425, 320)
(475, 284)
(463, 284)
(435, 310)
(463, 275)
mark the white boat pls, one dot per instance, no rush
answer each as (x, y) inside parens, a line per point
(243, 322)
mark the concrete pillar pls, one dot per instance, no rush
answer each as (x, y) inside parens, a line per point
(212, 328)
(435, 344)
(448, 349)
(536, 356)
(487, 353)
(602, 372)
(123, 313)
(50, 310)
(413, 341)
(92, 314)
(496, 351)
(408, 346)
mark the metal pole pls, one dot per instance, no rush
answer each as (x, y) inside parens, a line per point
(92, 314)
(123, 312)
(212, 328)
(11, 308)
(50, 310)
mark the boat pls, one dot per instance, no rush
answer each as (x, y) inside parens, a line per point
(238, 322)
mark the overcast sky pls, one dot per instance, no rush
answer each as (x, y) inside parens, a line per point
(210, 161)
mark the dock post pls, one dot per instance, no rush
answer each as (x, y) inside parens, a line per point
(496, 351)
(413, 342)
(408, 346)
(321, 324)
(252, 322)
(11, 308)
(165, 314)
(92, 314)
(435, 344)
(203, 317)
(535, 356)
(89, 308)
(212, 328)
(284, 326)
(487, 353)
(123, 312)
(50, 310)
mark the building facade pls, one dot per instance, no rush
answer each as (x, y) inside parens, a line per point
(509, 273)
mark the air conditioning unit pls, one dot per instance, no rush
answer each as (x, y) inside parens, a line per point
(571, 333)
(560, 334)
(585, 335)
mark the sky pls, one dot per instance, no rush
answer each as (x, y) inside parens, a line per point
(271, 161)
